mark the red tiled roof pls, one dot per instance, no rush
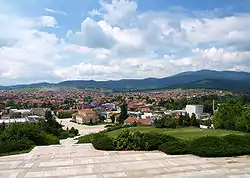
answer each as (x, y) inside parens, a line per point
(132, 120)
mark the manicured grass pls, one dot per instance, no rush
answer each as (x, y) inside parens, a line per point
(187, 133)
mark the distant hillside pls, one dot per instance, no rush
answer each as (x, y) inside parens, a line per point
(223, 80)
(217, 84)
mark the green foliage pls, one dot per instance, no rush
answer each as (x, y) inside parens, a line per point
(51, 139)
(65, 114)
(176, 147)
(102, 142)
(140, 141)
(112, 117)
(86, 138)
(238, 145)
(10, 146)
(74, 131)
(101, 117)
(230, 145)
(29, 131)
(232, 115)
(124, 113)
(153, 140)
(165, 123)
(129, 141)
(209, 147)
(225, 117)
(45, 132)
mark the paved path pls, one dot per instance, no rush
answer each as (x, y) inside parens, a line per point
(70, 160)
(83, 161)
(83, 129)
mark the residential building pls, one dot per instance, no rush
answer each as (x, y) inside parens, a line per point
(86, 116)
(132, 120)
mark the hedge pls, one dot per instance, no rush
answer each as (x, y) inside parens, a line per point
(230, 145)
(10, 146)
(102, 142)
(174, 147)
(208, 146)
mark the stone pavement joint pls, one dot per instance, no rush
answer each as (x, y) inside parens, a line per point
(70, 160)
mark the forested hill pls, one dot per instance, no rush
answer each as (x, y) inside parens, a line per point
(223, 80)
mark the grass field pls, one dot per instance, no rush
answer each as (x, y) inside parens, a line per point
(187, 133)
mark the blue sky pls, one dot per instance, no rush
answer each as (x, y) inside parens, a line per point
(55, 40)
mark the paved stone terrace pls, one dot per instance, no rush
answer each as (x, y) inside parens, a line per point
(80, 161)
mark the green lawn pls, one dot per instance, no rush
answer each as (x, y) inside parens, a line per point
(187, 133)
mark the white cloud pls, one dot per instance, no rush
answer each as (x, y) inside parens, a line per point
(48, 21)
(227, 30)
(123, 43)
(27, 54)
(55, 11)
(91, 35)
(119, 12)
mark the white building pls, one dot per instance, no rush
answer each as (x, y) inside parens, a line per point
(196, 109)
(110, 106)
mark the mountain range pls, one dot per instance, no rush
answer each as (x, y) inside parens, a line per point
(207, 79)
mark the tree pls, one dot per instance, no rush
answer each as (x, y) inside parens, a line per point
(194, 121)
(48, 115)
(225, 117)
(124, 113)
(187, 120)
(180, 120)
(112, 117)
(2, 127)
(242, 123)
(101, 118)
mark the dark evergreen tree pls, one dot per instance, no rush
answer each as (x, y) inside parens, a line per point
(124, 113)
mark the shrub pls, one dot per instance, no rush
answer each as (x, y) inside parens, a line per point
(124, 141)
(15, 145)
(64, 135)
(174, 147)
(74, 131)
(153, 140)
(141, 141)
(51, 139)
(209, 146)
(102, 142)
(237, 144)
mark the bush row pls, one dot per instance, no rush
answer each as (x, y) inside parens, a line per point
(208, 146)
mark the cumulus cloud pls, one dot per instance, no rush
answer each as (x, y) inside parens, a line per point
(91, 35)
(124, 43)
(28, 54)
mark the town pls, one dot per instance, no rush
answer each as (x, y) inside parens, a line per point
(85, 106)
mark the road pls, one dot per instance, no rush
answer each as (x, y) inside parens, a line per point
(83, 129)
